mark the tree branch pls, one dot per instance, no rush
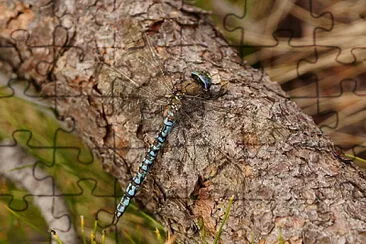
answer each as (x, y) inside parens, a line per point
(249, 141)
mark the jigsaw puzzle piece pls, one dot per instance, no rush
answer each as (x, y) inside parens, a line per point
(37, 196)
(335, 97)
(253, 26)
(64, 159)
(37, 47)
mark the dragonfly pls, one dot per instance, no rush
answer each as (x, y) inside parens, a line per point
(196, 87)
(201, 77)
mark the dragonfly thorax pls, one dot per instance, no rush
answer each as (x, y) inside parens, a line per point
(174, 106)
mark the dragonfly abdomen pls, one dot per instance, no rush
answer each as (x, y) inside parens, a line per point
(148, 160)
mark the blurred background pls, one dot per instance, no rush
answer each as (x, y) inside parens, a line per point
(315, 49)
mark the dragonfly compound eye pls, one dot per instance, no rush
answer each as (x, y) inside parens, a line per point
(203, 78)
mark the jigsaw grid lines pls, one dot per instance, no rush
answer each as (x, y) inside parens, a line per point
(305, 87)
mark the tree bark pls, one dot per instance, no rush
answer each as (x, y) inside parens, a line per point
(248, 141)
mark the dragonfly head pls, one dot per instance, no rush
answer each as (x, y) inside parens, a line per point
(203, 78)
(198, 86)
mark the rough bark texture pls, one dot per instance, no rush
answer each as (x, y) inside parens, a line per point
(250, 142)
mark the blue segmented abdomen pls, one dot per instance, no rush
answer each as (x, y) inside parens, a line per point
(145, 165)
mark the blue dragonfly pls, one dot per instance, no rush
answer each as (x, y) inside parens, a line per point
(196, 87)
(201, 77)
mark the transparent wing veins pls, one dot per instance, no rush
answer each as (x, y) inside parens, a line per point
(154, 57)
